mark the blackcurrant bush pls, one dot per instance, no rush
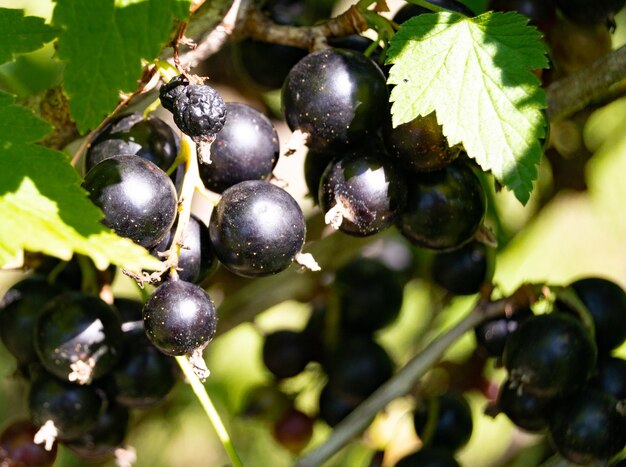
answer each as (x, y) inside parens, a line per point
(409, 11)
(611, 377)
(492, 334)
(19, 309)
(246, 149)
(358, 366)
(549, 354)
(138, 199)
(150, 138)
(17, 448)
(444, 208)
(315, 164)
(451, 424)
(369, 295)
(78, 337)
(72, 409)
(528, 411)
(542, 13)
(335, 96)
(589, 11)
(429, 457)
(286, 353)
(199, 111)
(179, 318)
(606, 302)
(105, 436)
(587, 427)
(362, 194)
(293, 430)
(257, 229)
(335, 405)
(464, 270)
(419, 145)
(197, 260)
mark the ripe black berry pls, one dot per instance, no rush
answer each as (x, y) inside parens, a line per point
(589, 11)
(315, 164)
(611, 377)
(335, 405)
(492, 335)
(451, 426)
(409, 11)
(606, 302)
(196, 260)
(72, 409)
(444, 208)
(256, 229)
(542, 13)
(549, 354)
(199, 111)
(180, 318)
(464, 270)
(78, 337)
(336, 96)
(361, 194)
(17, 448)
(528, 411)
(587, 427)
(419, 145)
(19, 309)
(428, 457)
(150, 138)
(171, 90)
(137, 198)
(246, 149)
(369, 295)
(286, 353)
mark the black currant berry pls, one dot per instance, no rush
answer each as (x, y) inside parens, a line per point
(611, 377)
(549, 354)
(246, 149)
(361, 194)
(542, 13)
(171, 90)
(72, 409)
(429, 457)
(369, 295)
(150, 138)
(492, 335)
(19, 309)
(267, 65)
(587, 427)
(257, 229)
(17, 448)
(179, 318)
(528, 411)
(62, 273)
(451, 426)
(335, 96)
(606, 302)
(419, 145)
(198, 110)
(358, 366)
(464, 270)
(78, 337)
(409, 11)
(286, 353)
(137, 198)
(444, 208)
(197, 260)
(105, 436)
(293, 430)
(335, 405)
(315, 164)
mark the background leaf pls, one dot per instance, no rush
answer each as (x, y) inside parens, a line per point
(19, 33)
(43, 207)
(103, 46)
(476, 73)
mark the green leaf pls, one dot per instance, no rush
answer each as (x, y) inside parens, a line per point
(43, 206)
(476, 73)
(19, 33)
(103, 47)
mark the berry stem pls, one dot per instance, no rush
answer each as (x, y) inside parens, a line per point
(204, 399)
(405, 379)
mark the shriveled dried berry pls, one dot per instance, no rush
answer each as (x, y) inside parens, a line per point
(199, 111)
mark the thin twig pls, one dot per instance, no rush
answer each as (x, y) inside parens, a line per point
(209, 408)
(403, 381)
